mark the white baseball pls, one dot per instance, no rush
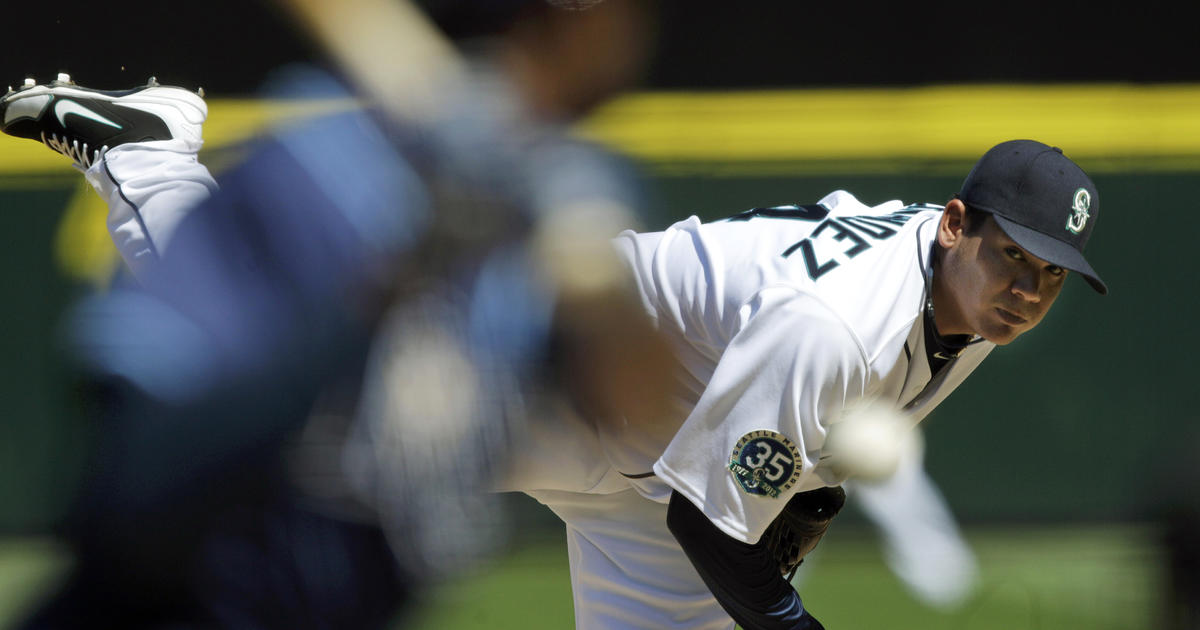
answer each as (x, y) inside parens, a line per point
(868, 443)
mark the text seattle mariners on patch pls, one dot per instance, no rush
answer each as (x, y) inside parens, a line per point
(765, 463)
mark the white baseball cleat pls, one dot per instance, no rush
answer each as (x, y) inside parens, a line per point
(83, 124)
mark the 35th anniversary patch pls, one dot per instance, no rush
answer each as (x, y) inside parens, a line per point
(765, 463)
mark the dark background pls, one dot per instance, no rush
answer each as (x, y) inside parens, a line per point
(228, 46)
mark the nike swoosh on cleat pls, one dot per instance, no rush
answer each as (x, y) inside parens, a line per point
(66, 106)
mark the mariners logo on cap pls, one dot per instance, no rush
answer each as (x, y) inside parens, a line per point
(1079, 207)
(765, 463)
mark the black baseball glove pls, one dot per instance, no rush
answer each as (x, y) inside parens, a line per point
(800, 526)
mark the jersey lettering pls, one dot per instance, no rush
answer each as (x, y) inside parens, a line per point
(815, 269)
(862, 232)
(859, 233)
(875, 230)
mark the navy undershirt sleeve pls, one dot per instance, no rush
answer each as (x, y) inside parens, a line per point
(744, 578)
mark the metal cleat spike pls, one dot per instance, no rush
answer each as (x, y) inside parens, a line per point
(63, 77)
(30, 82)
(153, 82)
(200, 92)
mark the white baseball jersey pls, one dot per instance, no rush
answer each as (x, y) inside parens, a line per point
(783, 319)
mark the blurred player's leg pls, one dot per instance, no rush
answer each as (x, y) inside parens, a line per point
(286, 566)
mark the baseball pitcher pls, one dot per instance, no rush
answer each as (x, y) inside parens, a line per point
(786, 320)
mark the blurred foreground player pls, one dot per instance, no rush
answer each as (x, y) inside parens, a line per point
(788, 322)
(281, 306)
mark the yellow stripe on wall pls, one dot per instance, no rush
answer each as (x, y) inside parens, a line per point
(942, 122)
(1124, 126)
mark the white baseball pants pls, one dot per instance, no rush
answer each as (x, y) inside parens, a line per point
(627, 570)
(149, 187)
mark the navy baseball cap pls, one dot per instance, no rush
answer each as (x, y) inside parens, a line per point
(1041, 199)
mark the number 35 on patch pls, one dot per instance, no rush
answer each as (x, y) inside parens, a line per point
(765, 463)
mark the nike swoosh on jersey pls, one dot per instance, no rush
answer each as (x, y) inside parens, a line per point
(64, 107)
